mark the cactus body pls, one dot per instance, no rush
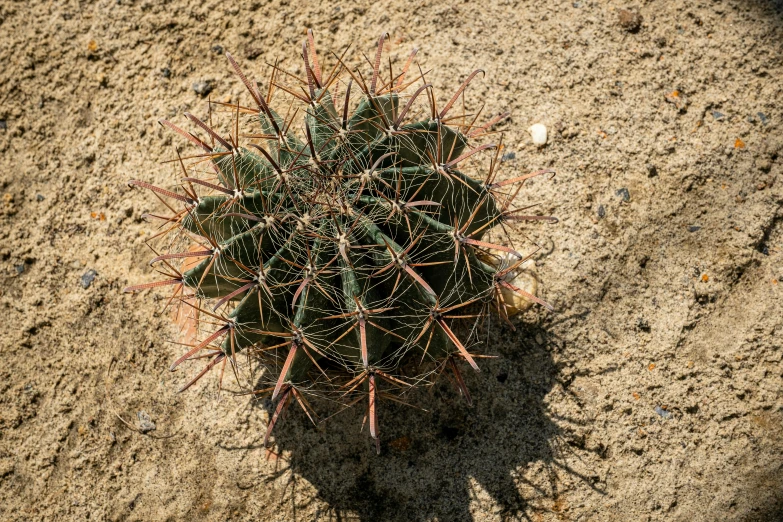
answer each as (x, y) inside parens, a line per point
(343, 239)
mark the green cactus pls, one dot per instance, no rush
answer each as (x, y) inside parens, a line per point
(343, 237)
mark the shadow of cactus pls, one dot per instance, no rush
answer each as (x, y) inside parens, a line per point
(432, 461)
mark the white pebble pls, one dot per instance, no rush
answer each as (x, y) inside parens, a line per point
(538, 133)
(524, 277)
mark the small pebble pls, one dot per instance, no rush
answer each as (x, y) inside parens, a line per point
(145, 423)
(3, 125)
(763, 118)
(217, 49)
(623, 192)
(88, 277)
(19, 268)
(678, 99)
(663, 413)
(719, 116)
(166, 72)
(39, 197)
(694, 228)
(652, 170)
(202, 88)
(601, 211)
(508, 156)
(251, 53)
(538, 133)
(631, 21)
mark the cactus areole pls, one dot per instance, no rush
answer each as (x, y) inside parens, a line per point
(340, 239)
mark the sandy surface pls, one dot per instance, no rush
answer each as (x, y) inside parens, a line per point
(654, 391)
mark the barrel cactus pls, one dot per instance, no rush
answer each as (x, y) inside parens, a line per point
(342, 241)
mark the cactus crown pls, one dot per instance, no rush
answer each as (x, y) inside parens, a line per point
(343, 239)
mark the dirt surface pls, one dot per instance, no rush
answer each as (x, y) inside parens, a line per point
(653, 392)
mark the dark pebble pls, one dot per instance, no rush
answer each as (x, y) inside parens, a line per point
(3, 125)
(217, 49)
(88, 277)
(601, 211)
(508, 156)
(166, 72)
(202, 88)
(623, 192)
(663, 413)
(652, 170)
(719, 116)
(19, 268)
(693, 228)
(39, 197)
(629, 20)
(251, 53)
(642, 324)
(763, 118)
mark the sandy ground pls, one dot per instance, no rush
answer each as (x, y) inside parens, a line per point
(654, 391)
